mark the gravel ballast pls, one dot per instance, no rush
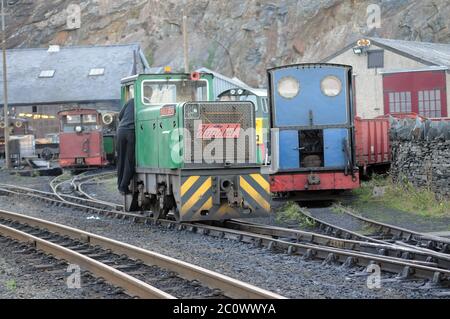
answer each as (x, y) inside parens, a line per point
(290, 276)
(21, 278)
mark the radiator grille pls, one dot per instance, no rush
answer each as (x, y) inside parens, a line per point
(199, 149)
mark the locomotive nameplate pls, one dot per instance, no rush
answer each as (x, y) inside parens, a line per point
(218, 130)
(167, 110)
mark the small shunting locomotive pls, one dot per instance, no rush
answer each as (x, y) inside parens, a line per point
(312, 124)
(195, 157)
(87, 138)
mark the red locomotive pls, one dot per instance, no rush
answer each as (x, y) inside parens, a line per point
(83, 144)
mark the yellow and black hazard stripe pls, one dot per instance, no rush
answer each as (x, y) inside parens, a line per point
(196, 195)
(256, 191)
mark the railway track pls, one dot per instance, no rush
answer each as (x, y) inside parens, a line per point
(384, 233)
(139, 272)
(73, 185)
(401, 235)
(333, 245)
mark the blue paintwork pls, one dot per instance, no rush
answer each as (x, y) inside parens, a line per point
(334, 151)
(289, 154)
(326, 110)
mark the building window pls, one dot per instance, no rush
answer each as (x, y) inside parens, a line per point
(400, 102)
(375, 59)
(430, 103)
(47, 74)
(34, 109)
(97, 72)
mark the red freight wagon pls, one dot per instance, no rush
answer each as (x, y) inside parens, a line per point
(372, 142)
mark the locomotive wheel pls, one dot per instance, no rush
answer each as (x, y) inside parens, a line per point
(176, 214)
(162, 206)
(47, 154)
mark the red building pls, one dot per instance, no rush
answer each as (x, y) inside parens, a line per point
(423, 93)
(397, 76)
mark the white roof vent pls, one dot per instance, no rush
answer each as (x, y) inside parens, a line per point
(53, 48)
(47, 73)
(97, 72)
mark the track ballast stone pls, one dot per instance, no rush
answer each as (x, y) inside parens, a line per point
(290, 276)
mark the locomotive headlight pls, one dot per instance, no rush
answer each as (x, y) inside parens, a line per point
(192, 112)
(288, 87)
(331, 86)
(78, 129)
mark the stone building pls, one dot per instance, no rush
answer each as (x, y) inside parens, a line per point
(42, 82)
(394, 76)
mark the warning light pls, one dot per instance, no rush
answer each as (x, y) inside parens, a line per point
(195, 76)
(167, 69)
(363, 43)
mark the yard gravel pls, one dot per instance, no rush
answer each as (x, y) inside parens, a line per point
(290, 276)
(19, 279)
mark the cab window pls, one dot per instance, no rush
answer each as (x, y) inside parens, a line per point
(88, 123)
(72, 119)
(161, 92)
(89, 119)
(129, 92)
(265, 106)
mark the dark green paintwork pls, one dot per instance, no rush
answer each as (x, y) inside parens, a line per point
(108, 144)
(157, 137)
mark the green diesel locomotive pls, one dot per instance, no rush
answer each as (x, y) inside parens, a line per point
(196, 159)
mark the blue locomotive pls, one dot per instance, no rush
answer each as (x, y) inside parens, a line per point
(312, 130)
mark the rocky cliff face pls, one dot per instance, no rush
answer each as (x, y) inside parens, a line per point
(236, 37)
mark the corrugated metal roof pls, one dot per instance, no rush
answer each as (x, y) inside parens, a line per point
(71, 81)
(424, 69)
(435, 53)
(223, 83)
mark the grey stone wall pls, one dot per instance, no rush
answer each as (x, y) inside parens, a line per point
(424, 163)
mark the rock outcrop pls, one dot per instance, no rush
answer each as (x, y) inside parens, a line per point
(237, 37)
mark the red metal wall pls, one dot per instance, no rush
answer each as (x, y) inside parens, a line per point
(415, 82)
(328, 181)
(372, 141)
(88, 145)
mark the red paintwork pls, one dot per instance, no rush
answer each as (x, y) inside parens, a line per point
(328, 181)
(218, 130)
(372, 141)
(88, 145)
(415, 82)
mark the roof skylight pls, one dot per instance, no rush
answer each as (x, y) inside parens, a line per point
(97, 72)
(47, 73)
